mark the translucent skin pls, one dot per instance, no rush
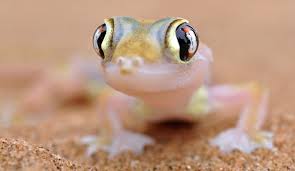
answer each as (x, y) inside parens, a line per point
(157, 85)
(157, 78)
(142, 64)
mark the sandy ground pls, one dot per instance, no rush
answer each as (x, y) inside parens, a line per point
(251, 40)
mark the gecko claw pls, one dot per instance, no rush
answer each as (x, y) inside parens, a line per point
(232, 139)
(93, 144)
(122, 141)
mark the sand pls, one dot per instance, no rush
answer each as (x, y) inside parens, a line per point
(54, 145)
(250, 41)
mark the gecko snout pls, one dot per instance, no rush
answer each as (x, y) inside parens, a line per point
(128, 65)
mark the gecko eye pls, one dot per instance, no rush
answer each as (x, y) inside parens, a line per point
(188, 41)
(98, 38)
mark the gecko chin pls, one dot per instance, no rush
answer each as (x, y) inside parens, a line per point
(155, 77)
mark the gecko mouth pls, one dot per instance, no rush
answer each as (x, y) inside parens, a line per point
(155, 77)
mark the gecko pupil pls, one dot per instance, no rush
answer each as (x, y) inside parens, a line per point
(98, 39)
(188, 41)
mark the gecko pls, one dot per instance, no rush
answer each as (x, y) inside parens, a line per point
(158, 70)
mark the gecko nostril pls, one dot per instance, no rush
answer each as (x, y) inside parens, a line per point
(120, 61)
(128, 65)
(125, 65)
(137, 61)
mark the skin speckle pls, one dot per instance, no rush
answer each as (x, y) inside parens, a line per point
(138, 44)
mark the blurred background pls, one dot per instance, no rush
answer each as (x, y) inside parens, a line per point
(235, 30)
(250, 39)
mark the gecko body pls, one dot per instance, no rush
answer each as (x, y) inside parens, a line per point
(158, 70)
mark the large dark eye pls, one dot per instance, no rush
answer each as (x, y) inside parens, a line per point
(188, 41)
(98, 39)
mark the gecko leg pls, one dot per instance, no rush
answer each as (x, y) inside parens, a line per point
(114, 110)
(247, 135)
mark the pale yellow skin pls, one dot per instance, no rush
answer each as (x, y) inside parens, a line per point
(142, 65)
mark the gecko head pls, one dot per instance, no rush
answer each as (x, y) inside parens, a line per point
(140, 56)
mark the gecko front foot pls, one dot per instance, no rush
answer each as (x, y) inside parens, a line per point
(235, 138)
(122, 141)
(131, 141)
